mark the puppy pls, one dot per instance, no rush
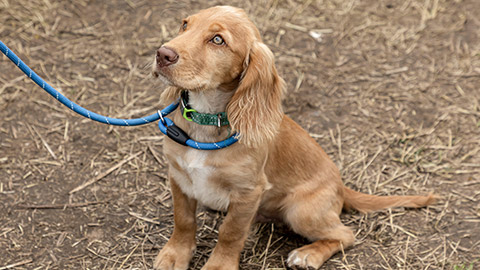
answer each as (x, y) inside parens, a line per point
(275, 169)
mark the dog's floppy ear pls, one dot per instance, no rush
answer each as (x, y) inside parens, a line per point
(255, 110)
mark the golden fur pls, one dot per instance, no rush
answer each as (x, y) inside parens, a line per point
(275, 170)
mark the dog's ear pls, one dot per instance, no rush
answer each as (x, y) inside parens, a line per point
(255, 110)
(170, 94)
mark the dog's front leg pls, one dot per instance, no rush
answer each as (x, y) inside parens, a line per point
(176, 254)
(234, 231)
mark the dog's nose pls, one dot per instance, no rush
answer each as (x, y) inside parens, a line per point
(166, 57)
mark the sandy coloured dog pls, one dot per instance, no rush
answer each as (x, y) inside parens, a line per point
(275, 170)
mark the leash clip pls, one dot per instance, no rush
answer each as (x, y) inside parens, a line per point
(161, 117)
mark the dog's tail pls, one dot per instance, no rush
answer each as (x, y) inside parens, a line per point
(367, 203)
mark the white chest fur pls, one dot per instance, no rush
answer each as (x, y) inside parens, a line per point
(195, 180)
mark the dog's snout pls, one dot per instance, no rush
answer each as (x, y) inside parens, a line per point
(166, 57)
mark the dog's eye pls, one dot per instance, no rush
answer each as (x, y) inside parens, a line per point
(184, 25)
(218, 40)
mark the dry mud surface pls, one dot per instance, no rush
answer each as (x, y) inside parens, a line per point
(390, 89)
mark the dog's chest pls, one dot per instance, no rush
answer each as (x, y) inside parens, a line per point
(197, 180)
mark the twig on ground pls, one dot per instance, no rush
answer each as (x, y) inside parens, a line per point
(102, 175)
(13, 265)
(60, 206)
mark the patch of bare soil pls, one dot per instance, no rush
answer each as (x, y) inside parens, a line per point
(390, 89)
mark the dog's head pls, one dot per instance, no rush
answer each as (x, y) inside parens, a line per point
(220, 48)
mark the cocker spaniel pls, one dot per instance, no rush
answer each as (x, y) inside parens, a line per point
(275, 169)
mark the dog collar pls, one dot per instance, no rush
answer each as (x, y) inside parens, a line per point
(190, 114)
(175, 133)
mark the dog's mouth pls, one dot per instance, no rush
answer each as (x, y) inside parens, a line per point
(162, 77)
(158, 69)
(165, 75)
(174, 75)
(162, 72)
(172, 78)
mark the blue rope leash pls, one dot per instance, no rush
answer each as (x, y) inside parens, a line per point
(166, 125)
(67, 102)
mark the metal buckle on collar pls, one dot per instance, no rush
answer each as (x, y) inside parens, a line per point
(219, 120)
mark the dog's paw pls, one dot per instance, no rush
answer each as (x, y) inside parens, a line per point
(220, 267)
(216, 263)
(173, 257)
(305, 258)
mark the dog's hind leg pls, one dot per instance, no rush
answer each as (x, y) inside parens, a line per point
(316, 217)
(316, 253)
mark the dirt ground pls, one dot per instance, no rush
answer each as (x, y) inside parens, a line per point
(389, 88)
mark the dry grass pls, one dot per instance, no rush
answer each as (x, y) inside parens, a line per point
(388, 88)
